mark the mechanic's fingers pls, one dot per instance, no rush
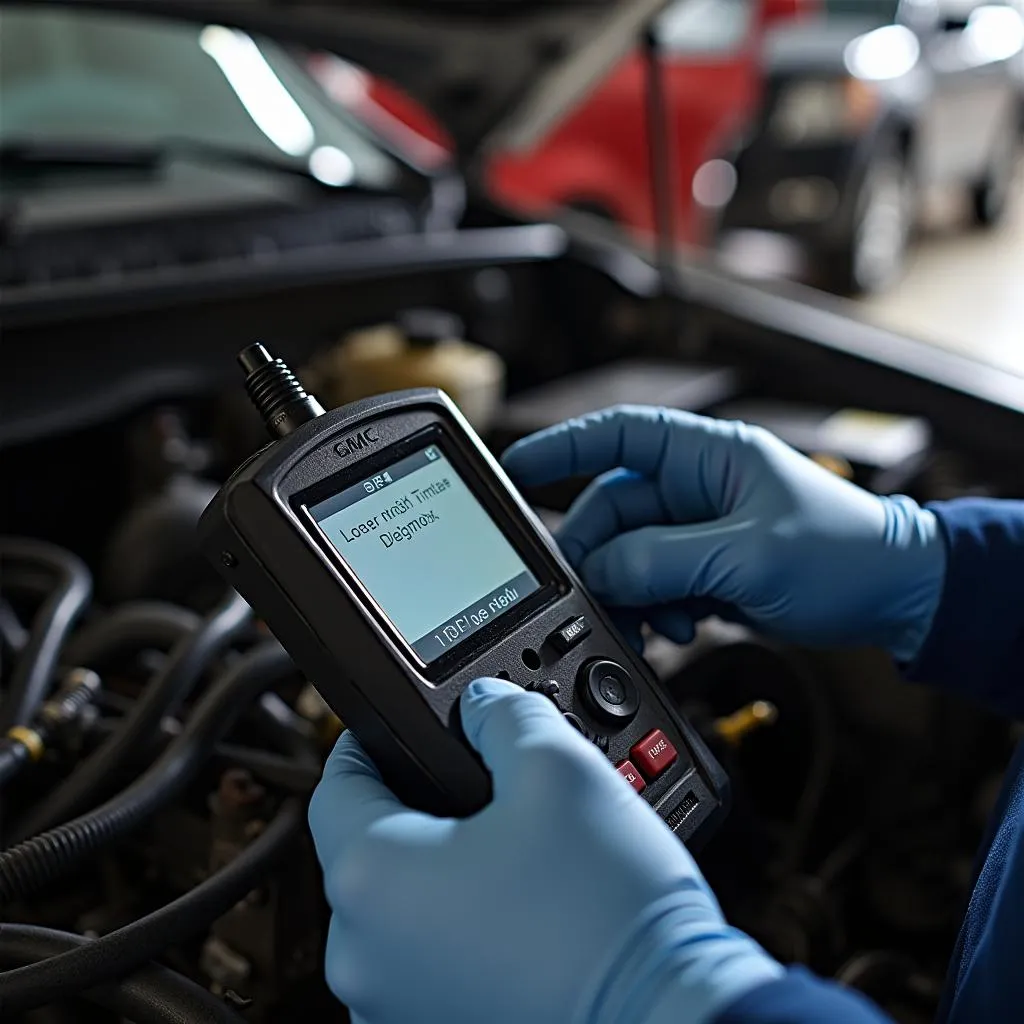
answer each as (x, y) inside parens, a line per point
(625, 436)
(348, 800)
(502, 721)
(660, 564)
(672, 621)
(700, 608)
(629, 622)
(640, 438)
(614, 503)
(349, 758)
(676, 621)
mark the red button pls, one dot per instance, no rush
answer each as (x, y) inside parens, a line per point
(631, 775)
(653, 753)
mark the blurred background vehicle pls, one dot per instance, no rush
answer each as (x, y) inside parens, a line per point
(867, 107)
(808, 135)
(597, 159)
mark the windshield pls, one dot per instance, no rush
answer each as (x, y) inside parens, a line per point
(88, 74)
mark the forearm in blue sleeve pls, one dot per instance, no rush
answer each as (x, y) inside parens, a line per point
(976, 643)
(801, 998)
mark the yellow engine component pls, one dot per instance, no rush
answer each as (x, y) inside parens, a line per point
(734, 728)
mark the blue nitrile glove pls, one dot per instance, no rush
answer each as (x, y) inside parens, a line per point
(565, 900)
(694, 516)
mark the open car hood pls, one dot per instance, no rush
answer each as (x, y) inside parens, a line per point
(494, 72)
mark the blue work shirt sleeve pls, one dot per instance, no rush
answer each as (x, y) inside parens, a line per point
(976, 643)
(976, 647)
(801, 998)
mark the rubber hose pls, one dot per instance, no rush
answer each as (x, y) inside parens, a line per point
(289, 773)
(286, 730)
(36, 667)
(283, 727)
(122, 951)
(127, 629)
(13, 634)
(94, 777)
(34, 863)
(284, 773)
(151, 995)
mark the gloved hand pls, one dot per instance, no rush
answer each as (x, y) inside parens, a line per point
(565, 900)
(695, 516)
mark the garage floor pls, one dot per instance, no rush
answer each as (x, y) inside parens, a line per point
(963, 289)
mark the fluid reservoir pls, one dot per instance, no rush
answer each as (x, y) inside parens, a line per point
(423, 348)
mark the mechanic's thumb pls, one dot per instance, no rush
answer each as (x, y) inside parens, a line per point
(658, 564)
(502, 722)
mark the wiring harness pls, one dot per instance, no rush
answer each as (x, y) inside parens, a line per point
(110, 716)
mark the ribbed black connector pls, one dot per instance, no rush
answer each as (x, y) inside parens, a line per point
(280, 399)
(79, 690)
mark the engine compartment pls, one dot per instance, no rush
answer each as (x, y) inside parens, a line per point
(855, 814)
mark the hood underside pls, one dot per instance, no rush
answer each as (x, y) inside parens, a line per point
(494, 74)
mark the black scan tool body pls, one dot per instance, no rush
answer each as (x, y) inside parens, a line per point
(394, 560)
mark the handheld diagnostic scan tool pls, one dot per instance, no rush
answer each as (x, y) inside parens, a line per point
(394, 560)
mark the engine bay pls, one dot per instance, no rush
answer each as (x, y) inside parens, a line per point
(160, 748)
(857, 799)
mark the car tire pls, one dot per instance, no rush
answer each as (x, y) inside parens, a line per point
(991, 197)
(874, 252)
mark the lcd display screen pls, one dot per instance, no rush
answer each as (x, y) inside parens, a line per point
(426, 550)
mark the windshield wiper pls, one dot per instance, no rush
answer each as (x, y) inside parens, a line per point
(103, 154)
(43, 153)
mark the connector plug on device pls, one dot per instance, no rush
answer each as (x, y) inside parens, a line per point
(280, 399)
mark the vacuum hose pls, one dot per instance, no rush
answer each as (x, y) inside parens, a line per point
(151, 995)
(92, 778)
(37, 663)
(127, 629)
(122, 951)
(34, 863)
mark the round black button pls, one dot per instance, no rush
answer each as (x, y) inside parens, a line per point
(609, 692)
(612, 690)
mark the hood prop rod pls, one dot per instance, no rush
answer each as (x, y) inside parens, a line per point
(662, 165)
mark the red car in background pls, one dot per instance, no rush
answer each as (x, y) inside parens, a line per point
(597, 159)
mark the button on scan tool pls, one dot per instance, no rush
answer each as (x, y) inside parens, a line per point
(609, 692)
(653, 754)
(569, 634)
(628, 771)
(545, 687)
